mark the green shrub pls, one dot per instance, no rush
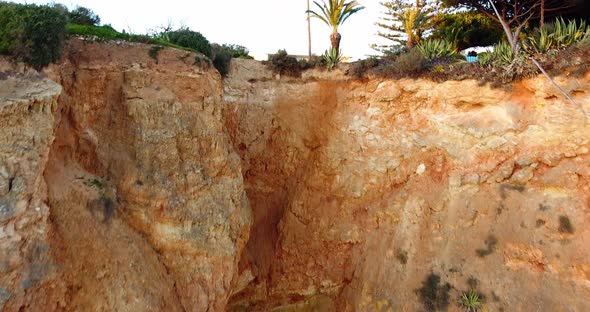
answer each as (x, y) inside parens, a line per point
(485, 58)
(222, 55)
(435, 48)
(409, 63)
(236, 51)
(187, 38)
(313, 62)
(332, 58)
(360, 68)
(32, 34)
(83, 16)
(468, 29)
(284, 64)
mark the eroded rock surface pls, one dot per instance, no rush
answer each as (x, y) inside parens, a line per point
(146, 183)
(401, 195)
(28, 105)
(145, 199)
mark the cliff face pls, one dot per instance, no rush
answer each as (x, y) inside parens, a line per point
(28, 105)
(401, 195)
(147, 208)
(146, 183)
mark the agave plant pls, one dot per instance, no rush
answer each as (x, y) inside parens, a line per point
(503, 53)
(436, 48)
(332, 57)
(566, 34)
(540, 42)
(485, 58)
(334, 14)
(471, 301)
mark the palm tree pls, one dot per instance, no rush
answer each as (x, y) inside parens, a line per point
(335, 14)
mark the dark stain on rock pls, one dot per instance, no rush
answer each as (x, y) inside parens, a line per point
(402, 256)
(491, 243)
(565, 225)
(434, 295)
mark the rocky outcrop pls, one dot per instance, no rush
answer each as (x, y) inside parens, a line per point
(28, 105)
(401, 195)
(146, 205)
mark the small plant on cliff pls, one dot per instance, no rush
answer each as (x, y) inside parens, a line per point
(223, 54)
(284, 64)
(471, 301)
(154, 52)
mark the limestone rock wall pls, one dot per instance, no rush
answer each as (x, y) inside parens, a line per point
(401, 195)
(28, 105)
(138, 204)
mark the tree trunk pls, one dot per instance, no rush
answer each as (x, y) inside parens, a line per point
(512, 39)
(308, 30)
(542, 13)
(335, 40)
(410, 43)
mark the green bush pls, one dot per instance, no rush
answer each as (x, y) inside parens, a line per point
(409, 63)
(83, 16)
(313, 62)
(284, 64)
(32, 34)
(222, 55)
(436, 48)
(187, 38)
(236, 51)
(468, 29)
(360, 68)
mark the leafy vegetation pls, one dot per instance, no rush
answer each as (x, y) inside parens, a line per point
(187, 38)
(468, 29)
(360, 68)
(436, 48)
(471, 301)
(284, 64)
(32, 34)
(83, 16)
(560, 35)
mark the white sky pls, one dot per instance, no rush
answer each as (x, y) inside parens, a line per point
(263, 26)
